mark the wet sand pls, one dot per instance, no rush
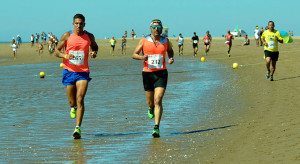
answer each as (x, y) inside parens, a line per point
(256, 121)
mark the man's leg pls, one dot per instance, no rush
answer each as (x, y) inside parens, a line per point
(181, 47)
(158, 96)
(268, 63)
(71, 93)
(150, 98)
(273, 68)
(81, 86)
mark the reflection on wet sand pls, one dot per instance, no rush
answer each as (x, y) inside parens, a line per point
(116, 127)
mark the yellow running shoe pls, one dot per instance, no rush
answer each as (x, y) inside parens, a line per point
(77, 133)
(73, 113)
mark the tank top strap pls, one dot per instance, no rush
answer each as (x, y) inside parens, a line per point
(71, 31)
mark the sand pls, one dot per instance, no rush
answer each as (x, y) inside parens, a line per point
(264, 127)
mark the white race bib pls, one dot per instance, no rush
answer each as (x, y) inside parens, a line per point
(155, 61)
(271, 44)
(195, 41)
(207, 40)
(78, 57)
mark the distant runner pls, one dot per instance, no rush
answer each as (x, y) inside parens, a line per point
(270, 39)
(228, 41)
(180, 41)
(155, 74)
(207, 41)
(256, 35)
(14, 46)
(195, 40)
(112, 44)
(123, 45)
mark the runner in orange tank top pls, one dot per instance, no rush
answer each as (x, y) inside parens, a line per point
(76, 69)
(155, 74)
(207, 41)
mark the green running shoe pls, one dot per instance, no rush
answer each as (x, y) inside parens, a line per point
(151, 113)
(77, 133)
(268, 75)
(73, 113)
(155, 133)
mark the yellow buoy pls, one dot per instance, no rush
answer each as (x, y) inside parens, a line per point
(203, 59)
(61, 65)
(42, 74)
(235, 65)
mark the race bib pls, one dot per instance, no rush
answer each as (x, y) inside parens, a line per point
(155, 61)
(195, 41)
(207, 41)
(271, 44)
(78, 57)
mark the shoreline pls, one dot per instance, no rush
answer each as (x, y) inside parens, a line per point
(265, 121)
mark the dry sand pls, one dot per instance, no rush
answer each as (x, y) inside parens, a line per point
(266, 124)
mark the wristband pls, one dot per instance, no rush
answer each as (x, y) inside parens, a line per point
(65, 56)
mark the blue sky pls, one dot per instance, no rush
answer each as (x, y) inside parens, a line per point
(106, 18)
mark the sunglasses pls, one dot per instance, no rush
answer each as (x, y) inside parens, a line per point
(158, 26)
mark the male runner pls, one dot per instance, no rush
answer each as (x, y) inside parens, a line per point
(113, 42)
(195, 40)
(155, 74)
(270, 39)
(76, 69)
(207, 40)
(256, 35)
(228, 41)
(180, 41)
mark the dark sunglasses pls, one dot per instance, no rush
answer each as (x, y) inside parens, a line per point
(158, 26)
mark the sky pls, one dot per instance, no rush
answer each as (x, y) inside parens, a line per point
(107, 18)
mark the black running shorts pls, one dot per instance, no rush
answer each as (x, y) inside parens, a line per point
(273, 55)
(195, 45)
(155, 79)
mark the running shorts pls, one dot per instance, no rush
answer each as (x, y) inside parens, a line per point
(70, 78)
(195, 45)
(155, 79)
(273, 55)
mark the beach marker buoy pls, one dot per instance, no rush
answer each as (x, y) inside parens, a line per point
(61, 65)
(235, 65)
(42, 74)
(203, 59)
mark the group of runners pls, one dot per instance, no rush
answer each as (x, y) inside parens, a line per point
(113, 43)
(207, 39)
(151, 49)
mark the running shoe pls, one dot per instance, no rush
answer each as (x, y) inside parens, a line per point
(77, 133)
(205, 54)
(268, 75)
(271, 79)
(228, 55)
(73, 113)
(151, 113)
(155, 133)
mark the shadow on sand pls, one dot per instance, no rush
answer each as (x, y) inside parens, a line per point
(202, 130)
(288, 78)
(172, 133)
